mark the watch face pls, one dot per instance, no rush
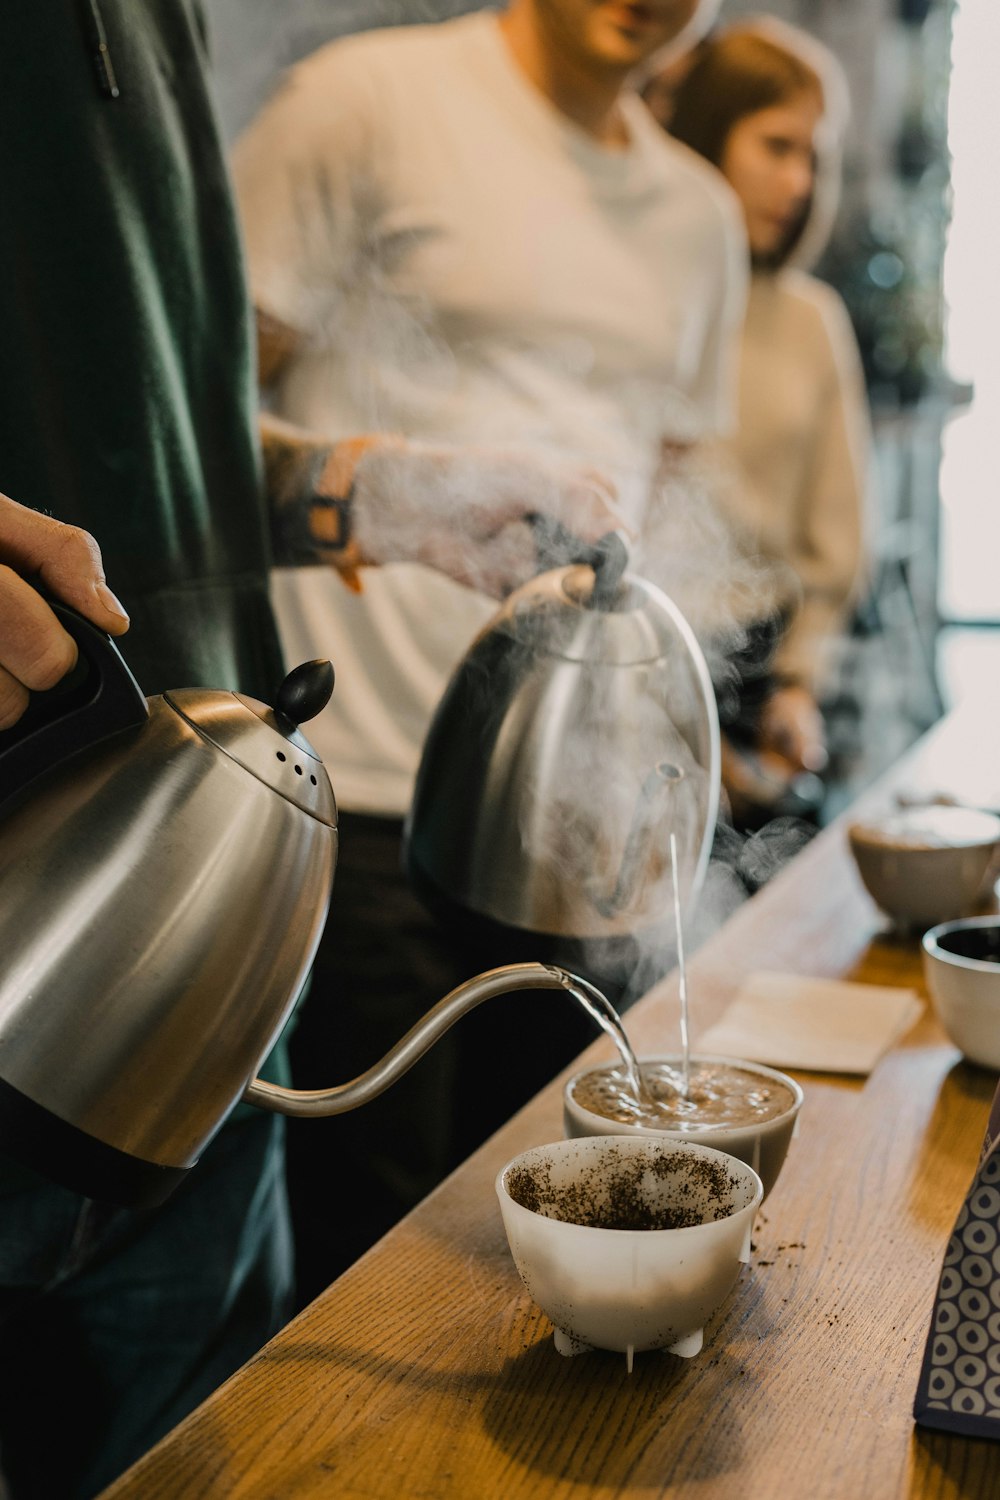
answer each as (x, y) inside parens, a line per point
(330, 521)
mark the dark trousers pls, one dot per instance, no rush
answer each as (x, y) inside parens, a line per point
(114, 1324)
(383, 962)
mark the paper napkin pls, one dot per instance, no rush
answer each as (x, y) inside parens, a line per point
(820, 1025)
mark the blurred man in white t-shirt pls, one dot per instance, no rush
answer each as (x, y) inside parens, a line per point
(470, 232)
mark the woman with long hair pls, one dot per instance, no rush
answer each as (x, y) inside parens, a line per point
(766, 105)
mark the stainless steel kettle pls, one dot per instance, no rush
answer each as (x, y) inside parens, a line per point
(578, 732)
(165, 872)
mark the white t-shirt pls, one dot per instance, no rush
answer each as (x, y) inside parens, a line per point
(469, 266)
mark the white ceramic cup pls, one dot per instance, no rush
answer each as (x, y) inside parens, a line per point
(926, 864)
(964, 984)
(762, 1144)
(628, 1289)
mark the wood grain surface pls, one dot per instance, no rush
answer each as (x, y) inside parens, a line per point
(426, 1371)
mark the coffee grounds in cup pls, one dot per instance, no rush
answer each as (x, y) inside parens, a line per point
(614, 1194)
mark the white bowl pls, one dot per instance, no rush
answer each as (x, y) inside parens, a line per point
(926, 864)
(633, 1288)
(964, 984)
(763, 1145)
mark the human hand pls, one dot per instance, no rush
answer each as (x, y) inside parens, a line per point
(791, 726)
(464, 511)
(35, 651)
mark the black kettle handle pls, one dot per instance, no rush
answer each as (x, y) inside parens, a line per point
(556, 546)
(98, 698)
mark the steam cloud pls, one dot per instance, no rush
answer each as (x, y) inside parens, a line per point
(391, 366)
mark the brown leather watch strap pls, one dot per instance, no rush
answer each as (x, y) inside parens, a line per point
(331, 509)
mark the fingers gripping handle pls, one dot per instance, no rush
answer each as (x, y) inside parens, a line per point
(98, 698)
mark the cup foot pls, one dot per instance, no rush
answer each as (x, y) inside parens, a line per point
(689, 1346)
(568, 1345)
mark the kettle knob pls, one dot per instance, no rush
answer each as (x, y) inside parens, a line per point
(305, 692)
(556, 546)
(609, 559)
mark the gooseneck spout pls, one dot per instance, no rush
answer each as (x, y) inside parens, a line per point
(311, 1103)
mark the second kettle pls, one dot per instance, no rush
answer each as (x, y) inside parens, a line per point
(578, 731)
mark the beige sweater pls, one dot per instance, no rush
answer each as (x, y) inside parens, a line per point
(802, 456)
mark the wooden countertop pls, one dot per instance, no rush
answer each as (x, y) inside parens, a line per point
(426, 1371)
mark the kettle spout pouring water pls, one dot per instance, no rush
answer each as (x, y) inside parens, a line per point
(420, 1038)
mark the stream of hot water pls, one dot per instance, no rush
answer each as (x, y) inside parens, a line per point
(634, 1097)
(664, 1095)
(603, 1012)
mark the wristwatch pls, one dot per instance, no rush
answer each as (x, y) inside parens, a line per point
(331, 510)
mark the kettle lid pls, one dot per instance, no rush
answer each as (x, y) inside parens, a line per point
(567, 614)
(266, 741)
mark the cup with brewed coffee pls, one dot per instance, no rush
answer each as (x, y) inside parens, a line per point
(742, 1108)
(628, 1244)
(962, 970)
